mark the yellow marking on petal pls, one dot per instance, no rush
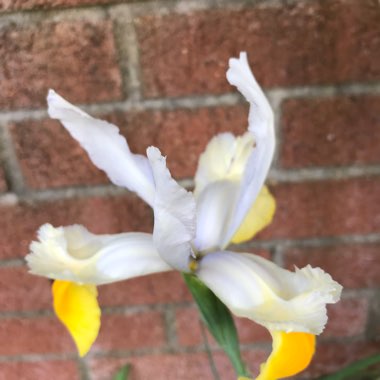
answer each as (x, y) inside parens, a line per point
(291, 353)
(258, 217)
(76, 306)
(244, 378)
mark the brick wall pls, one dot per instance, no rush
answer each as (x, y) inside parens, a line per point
(157, 69)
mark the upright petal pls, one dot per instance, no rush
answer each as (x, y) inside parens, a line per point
(261, 125)
(174, 215)
(76, 306)
(74, 254)
(276, 298)
(107, 149)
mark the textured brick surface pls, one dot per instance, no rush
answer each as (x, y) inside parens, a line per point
(326, 208)
(347, 318)
(358, 265)
(3, 183)
(330, 357)
(57, 370)
(189, 330)
(302, 43)
(11, 5)
(49, 157)
(19, 290)
(157, 288)
(34, 336)
(77, 59)
(126, 332)
(100, 215)
(334, 131)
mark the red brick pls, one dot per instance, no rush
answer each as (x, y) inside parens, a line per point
(354, 266)
(325, 208)
(334, 131)
(49, 157)
(157, 288)
(128, 332)
(325, 41)
(12, 5)
(34, 336)
(21, 291)
(78, 59)
(189, 330)
(175, 366)
(331, 357)
(347, 318)
(42, 370)
(19, 223)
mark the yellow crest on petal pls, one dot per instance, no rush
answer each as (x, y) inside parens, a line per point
(258, 217)
(76, 306)
(292, 353)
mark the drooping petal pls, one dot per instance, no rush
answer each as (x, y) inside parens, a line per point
(76, 306)
(73, 253)
(276, 298)
(261, 125)
(107, 149)
(174, 215)
(291, 353)
(259, 216)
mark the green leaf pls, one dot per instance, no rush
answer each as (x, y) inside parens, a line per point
(356, 370)
(218, 320)
(123, 373)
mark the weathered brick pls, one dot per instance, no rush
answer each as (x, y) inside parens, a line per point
(354, 266)
(78, 59)
(12, 5)
(333, 131)
(325, 208)
(189, 330)
(34, 336)
(49, 157)
(128, 332)
(157, 288)
(20, 290)
(347, 318)
(295, 44)
(331, 357)
(19, 223)
(54, 369)
(173, 366)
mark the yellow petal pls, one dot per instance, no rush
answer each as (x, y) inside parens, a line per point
(76, 306)
(291, 354)
(258, 217)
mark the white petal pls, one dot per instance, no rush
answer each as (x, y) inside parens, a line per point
(73, 253)
(214, 207)
(278, 299)
(174, 215)
(107, 149)
(261, 125)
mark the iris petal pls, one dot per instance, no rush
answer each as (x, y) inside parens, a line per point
(291, 354)
(76, 306)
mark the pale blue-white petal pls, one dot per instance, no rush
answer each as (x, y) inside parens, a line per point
(107, 149)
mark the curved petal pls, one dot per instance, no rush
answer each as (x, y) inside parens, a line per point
(259, 216)
(174, 215)
(292, 353)
(261, 125)
(276, 298)
(73, 253)
(76, 306)
(107, 149)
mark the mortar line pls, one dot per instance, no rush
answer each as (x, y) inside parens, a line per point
(201, 101)
(170, 327)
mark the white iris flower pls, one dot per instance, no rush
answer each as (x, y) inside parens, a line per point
(191, 233)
